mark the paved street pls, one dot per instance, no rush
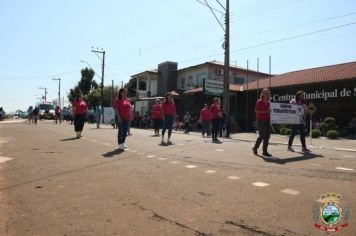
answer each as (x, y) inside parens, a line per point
(53, 184)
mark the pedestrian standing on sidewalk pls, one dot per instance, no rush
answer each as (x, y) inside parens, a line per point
(80, 110)
(216, 115)
(205, 118)
(169, 113)
(299, 100)
(157, 116)
(98, 116)
(122, 108)
(263, 120)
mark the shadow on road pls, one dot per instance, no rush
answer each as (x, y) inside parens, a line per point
(69, 139)
(113, 153)
(305, 156)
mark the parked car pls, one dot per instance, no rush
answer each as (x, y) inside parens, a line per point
(46, 111)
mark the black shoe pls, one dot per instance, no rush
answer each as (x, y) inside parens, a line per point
(266, 154)
(254, 150)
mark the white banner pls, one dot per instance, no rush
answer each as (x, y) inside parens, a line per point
(109, 115)
(284, 113)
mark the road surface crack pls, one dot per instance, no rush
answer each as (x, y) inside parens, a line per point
(160, 217)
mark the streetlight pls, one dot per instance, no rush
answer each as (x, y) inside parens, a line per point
(45, 89)
(59, 90)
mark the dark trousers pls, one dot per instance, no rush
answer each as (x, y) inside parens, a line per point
(123, 126)
(186, 127)
(215, 129)
(79, 123)
(295, 129)
(264, 133)
(157, 123)
(168, 124)
(205, 127)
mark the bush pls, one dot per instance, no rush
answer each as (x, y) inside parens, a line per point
(316, 133)
(283, 131)
(288, 131)
(332, 134)
(328, 124)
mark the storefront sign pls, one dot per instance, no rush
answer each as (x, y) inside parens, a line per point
(109, 115)
(214, 86)
(282, 113)
(318, 95)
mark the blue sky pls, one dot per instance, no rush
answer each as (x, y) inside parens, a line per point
(43, 39)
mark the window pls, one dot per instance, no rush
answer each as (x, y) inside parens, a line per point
(190, 80)
(239, 80)
(200, 78)
(182, 83)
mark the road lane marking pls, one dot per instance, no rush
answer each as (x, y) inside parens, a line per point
(343, 168)
(161, 158)
(174, 162)
(219, 150)
(290, 191)
(191, 166)
(233, 177)
(260, 184)
(347, 156)
(210, 171)
(151, 156)
(5, 159)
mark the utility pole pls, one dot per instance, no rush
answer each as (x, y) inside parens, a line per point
(59, 90)
(45, 89)
(226, 98)
(102, 75)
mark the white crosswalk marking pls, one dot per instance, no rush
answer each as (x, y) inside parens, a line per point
(191, 166)
(290, 191)
(210, 171)
(5, 159)
(151, 156)
(260, 184)
(233, 177)
(343, 168)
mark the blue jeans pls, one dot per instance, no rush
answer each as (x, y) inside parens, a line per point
(167, 124)
(205, 127)
(295, 129)
(98, 116)
(123, 126)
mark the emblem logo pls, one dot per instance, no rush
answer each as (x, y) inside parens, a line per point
(330, 213)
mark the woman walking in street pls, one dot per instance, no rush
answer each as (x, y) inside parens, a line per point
(122, 108)
(157, 115)
(80, 109)
(169, 113)
(216, 115)
(299, 100)
(263, 118)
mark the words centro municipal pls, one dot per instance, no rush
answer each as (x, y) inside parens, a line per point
(325, 95)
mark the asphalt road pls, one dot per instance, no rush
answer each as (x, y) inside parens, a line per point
(53, 184)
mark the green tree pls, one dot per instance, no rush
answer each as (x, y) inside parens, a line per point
(85, 84)
(131, 86)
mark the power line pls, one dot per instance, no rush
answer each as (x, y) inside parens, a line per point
(214, 15)
(203, 3)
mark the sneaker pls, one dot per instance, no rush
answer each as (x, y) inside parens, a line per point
(290, 149)
(121, 147)
(305, 149)
(169, 142)
(125, 146)
(254, 150)
(266, 154)
(162, 142)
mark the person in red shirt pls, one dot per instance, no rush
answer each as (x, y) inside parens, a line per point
(80, 109)
(169, 112)
(216, 115)
(157, 116)
(205, 118)
(263, 118)
(122, 108)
